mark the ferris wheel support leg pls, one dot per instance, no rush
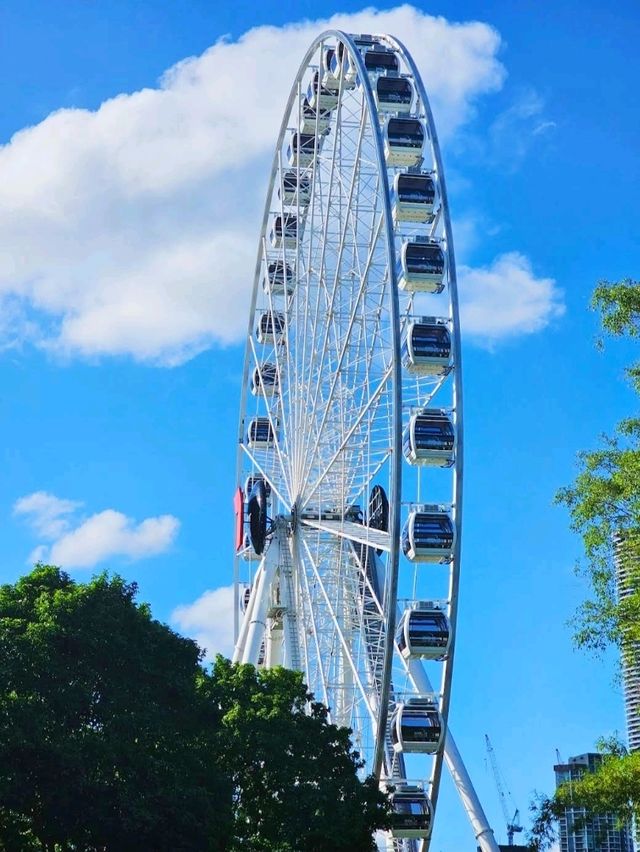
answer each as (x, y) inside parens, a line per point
(458, 771)
(241, 639)
(256, 620)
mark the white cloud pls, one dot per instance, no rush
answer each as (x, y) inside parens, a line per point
(515, 130)
(132, 229)
(208, 620)
(46, 513)
(83, 543)
(506, 299)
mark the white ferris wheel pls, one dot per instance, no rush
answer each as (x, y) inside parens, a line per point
(350, 463)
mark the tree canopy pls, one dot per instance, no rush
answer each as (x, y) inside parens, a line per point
(114, 737)
(604, 507)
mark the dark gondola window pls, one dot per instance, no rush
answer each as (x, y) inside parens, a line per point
(406, 132)
(380, 60)
(394, 90)
(430, 340)
(415, 189)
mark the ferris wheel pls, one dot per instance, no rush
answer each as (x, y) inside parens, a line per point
(349, 505)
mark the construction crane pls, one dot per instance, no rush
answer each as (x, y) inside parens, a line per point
(513, 824)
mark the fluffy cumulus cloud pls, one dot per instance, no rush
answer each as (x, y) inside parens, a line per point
(208, 620)
(83, 542)
(132, 229)
(506, 299)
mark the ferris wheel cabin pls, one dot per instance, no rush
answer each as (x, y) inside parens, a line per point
(416, 726)
(380, 60)
(424, 631)
(403, 142)
(265, 380)
(312, 119)
(301, 150)
(260, 434)
(413, 196)
(341, 66)
(428, 536)
(421, 267)
(247, 552)
(319, 96)
(295, 189)
(329, 80)
(270, 327)
(393, 94)
(412, 812)
(251, 481)
(279, 279)
(429, 439)
(284, 231)
(426, 348)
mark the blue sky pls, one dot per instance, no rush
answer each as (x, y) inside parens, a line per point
(127, 240)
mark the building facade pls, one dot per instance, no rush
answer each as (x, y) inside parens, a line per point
(627, 567)
(598, 834)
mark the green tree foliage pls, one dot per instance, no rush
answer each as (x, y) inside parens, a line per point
(614, 788)
(604, 500)
(114, 738)
(294, 773)
(604, 505)
(105, 739)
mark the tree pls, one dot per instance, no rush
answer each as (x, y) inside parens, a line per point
(604, 506)
(294, 774)
(113, 737)
(106, 740)
(604, 500)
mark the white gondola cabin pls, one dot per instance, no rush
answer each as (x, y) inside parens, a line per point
(270, 327)
(329, 80)
(412, 813)
(251, 481)
(413, 196)
(341, 66)
(424, 632)
(260, 434)
(295, 189)
(380, 60)
(247, 552)
(416, 726)
(393, 94)
(279, 279)
(421, 267)
(429, 439)
(428, 536)
(302, 149)
(319, 96)
(403, 142)
(284, 231)
(426, 347)
(312, 120)
(265, 380)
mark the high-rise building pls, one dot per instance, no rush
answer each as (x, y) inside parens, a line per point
(596, 834)
(627, 566)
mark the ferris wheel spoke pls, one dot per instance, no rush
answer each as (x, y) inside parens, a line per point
(310, 452)
(330, 324)
(266, 473)
(337, 621)
(347, 437)
(349, 530)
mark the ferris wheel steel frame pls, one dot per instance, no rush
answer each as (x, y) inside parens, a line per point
(287, 547)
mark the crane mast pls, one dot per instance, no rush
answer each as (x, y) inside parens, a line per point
(513, 824)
